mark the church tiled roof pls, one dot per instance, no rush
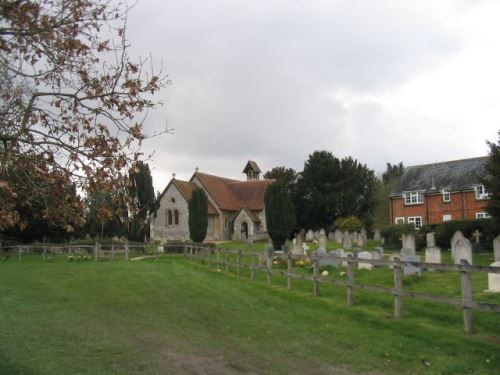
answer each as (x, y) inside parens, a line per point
(456, 175)
(186, 189)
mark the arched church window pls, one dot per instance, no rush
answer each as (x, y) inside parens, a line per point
(176, 217)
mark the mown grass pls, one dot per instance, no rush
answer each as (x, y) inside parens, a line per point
(173, 315)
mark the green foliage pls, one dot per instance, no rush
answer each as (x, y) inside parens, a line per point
(198, 215)
(349, 223)
(286, 176)
(329, 188)
(103, 215)
(492, 181)
(142, 195)
(280, 214)
(392, 234)
(444, 231)
(393, 172)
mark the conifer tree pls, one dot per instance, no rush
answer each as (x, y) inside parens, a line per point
(280, 214)
(198, 215)
(492, 181)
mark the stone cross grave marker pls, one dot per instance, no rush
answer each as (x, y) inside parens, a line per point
(477, 235)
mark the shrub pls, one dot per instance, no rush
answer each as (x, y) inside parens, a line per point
(393, 233)
(348, 223)
(280, 214)
(487, 227)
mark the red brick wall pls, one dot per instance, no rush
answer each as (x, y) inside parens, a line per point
(463, 205)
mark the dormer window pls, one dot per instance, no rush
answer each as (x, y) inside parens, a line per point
(446, 195)
(481, 192)
(413, 197)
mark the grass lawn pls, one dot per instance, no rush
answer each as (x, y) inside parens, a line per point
(171, 315)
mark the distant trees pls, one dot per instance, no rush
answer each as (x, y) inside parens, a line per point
(393, 172)
(280, 215)
(492, 181)
(329, 188)
(198, 215)
(383, 188)
(286, 176)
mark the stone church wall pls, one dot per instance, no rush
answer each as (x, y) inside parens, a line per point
(173, 200)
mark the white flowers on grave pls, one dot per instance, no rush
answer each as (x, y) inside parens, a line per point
(324, 273)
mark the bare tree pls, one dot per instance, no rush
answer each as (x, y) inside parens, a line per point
(72, 104)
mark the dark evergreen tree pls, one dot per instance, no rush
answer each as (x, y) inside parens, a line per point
(492, 180)
(142, 196)
(393, 172)
(286, 176)
(198, 215)
(280, 214)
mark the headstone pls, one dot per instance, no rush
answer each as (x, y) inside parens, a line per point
(393, 257)
(309, 235)
(297, 244)
(477, 235)
(377, 254)
(326, 259)
(409, 242)
(496, 248)
(320, 251)
(433, 255)
(365, 238)
(406, 252)
(304, 248)
(376, 235)
(363, 232)
(359, 240)
(338, 236)
(354, 235)
(380, 249)
(316, 235)
(362, 265)
(294, 241)
(430, 239)
(494, 279)
(456, 236)
(331, 237)
(463, 250)
(346, 241)
(346, 255)
(410, 269)
(322, 239)
(160, 249)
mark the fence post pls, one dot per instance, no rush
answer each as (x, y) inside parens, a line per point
(289, 270)
(252, 269)
(44, 253)
(467, 297)
(126, 250)
(269, 268)
(398, 287)
(316, 275)
(238, 263)
(112, 252)
(217, 258)
(226, 258)
(350, 280)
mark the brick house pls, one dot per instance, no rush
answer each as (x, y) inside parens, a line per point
(434, 193)
(235, 208)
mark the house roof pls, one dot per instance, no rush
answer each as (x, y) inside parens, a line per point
(456, 175)
(231, 195)
(186, 189)
(251, 165)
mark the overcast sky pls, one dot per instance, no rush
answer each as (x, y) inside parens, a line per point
(416, 81)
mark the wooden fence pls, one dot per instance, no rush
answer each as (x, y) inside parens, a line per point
(223, 259)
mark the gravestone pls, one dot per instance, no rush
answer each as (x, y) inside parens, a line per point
(354, 235)
(463, 250)
(456, 236)
(377, 255)
(362, 265)
(346, 241)
(309, 235)
(304, 248)
(430, 239)
(393, 257)
(409, 242)
(346, 255)
(365, 238)
(494, 279)
(329, 260)
(410, 269)
(331, 237)
(406, 252)
(496, 248)
(316, 235)
(321, 251)
(359, 240)
(322, 239)
(433, 255)
(160, 249)
(376, 235)
(363, 232)
(380, 249)
(297, 244)
(338, 236)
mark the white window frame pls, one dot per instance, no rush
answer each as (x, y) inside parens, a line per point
(447, 217)
(482, 215)
(399, 220)
(416, 221)
(446, 195)
(413, 197)
(481, 192)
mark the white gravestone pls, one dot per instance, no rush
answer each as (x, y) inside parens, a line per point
(376, 235)
(463, 250)
(494, 279)
(433, 255)
(322, 239)
(359, 240)
(456, 236)
(304, 248)
(309, 235)
(430, 239)
(346, 242)
(496, 248)
(411, 269)
(409, 242)
(338, 236)
(362, 265)
(330, 236)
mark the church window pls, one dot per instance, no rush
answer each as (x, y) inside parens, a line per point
(169, 217)
(176, 217)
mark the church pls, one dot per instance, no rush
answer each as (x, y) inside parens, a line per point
(235, 208)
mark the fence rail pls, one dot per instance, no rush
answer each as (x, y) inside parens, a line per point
(465, 269)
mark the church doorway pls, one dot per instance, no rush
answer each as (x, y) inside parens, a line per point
(244, 230)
